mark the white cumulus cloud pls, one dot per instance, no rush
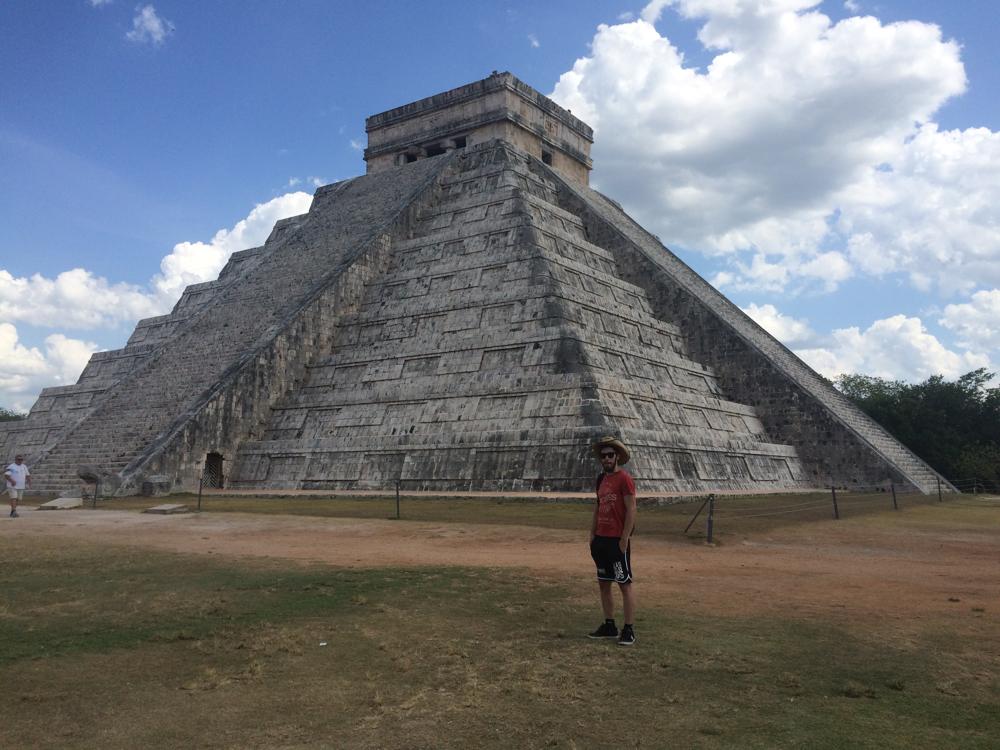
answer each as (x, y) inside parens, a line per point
(976, 323)
(931, 212)
(78, 299)
(803, 154)
(897, 348)
(194, 262)
(26, 370)
(73, 299)
(148, 27)
(786, 329)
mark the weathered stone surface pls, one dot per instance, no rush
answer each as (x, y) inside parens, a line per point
(62, 503)
(496, 108)
(472, 319)
(168, 509)
(157, 485)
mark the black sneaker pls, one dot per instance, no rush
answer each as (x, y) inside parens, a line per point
(627, 638)
(607, 630)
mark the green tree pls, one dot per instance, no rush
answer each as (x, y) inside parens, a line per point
(953, 425)
(8, 415)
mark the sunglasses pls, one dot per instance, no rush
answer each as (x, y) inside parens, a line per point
(612, 454)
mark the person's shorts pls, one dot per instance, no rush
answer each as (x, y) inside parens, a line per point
(612, 564)
(15, 494)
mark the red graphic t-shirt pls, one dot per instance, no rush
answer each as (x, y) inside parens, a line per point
(611, 502)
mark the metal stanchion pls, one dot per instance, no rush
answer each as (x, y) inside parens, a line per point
(711, 518)
(836, 510)
(939, 489)
(201, 481)
(892, 486)
(397, 499)
(695, 516)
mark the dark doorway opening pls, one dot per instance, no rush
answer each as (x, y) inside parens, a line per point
(212, 475)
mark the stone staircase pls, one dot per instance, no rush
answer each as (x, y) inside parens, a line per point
(153, 404)
(497, 326)
(470, 318)
(606, 217)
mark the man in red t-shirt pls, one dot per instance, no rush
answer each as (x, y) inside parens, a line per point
(610, 530)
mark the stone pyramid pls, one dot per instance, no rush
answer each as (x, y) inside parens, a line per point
(468, 315)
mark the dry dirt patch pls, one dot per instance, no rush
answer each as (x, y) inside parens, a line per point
(284, 631)
(894, 568)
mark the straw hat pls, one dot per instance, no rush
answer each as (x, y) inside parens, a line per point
(618, 445)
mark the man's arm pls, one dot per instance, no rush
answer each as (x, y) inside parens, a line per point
(593, 521)
(630, 510)
(27, 478)
(8, 479)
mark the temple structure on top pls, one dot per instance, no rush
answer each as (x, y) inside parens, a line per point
(469, 314)
(497, 108)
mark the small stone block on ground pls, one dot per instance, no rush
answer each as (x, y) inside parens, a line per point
(62, 503)
(167, 509)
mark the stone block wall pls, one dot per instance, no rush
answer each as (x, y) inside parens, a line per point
(147, 412)
(61, 408)
(500, 107)
(469, 321)
(835, 441)
(496, 346)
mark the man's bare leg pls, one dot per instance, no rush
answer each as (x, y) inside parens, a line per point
(607, 600)
(628, 602)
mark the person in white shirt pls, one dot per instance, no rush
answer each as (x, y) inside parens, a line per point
(18, 479)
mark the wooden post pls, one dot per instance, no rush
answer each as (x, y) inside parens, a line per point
(939, 489)
(397, 499)
(892, 486)
(836, 510)
(201, 481)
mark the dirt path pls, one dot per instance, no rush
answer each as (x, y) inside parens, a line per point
(889, 573)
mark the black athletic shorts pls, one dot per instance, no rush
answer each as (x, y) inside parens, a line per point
(612, 564)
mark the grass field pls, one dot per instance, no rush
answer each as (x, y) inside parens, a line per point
(123, 646)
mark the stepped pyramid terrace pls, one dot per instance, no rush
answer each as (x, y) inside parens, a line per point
(469, 314)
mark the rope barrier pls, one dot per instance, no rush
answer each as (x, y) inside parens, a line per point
(823, 506)
(855, 500)
(783, 507)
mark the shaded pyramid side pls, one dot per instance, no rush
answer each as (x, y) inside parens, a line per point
(835, 440)
(210, 383)
(495, 347)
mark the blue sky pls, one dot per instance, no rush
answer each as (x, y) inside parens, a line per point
(833, 167)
